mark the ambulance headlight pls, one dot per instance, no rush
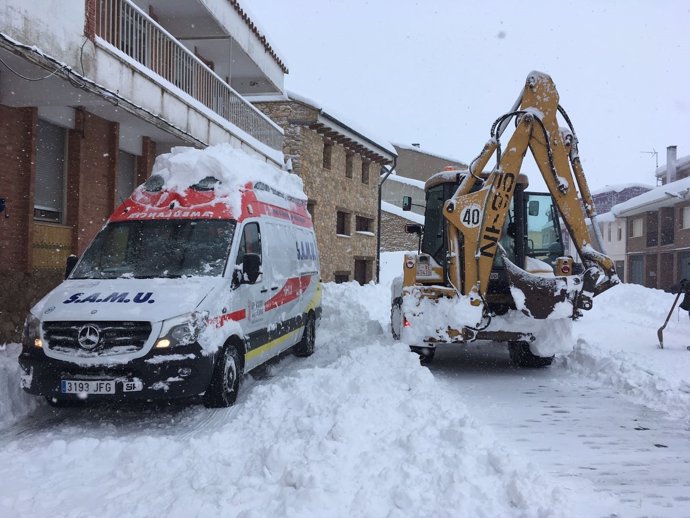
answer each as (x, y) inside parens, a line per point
(31, 335)
(182, 330)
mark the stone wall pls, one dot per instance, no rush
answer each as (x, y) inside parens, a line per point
(393, 235)
(329, 190)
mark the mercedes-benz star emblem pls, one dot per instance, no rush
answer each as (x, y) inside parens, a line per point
(89, 336)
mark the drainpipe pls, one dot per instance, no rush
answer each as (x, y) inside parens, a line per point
(382, 174)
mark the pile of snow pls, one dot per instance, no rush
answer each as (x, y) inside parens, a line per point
(186, 166)
(358, 429)
(617, 345)
(14, 402)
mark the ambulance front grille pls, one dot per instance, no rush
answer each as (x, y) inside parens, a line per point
(98, 338)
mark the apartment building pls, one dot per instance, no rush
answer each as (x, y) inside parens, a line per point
(658, 227)
(340, 166)
(90, 92)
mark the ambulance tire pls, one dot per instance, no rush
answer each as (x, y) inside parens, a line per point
(521, 356)
(305, 347)
(225, 382)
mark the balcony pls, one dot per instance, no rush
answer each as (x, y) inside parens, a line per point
(130, 30)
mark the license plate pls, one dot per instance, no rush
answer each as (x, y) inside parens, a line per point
(424, 270)
(87, 386)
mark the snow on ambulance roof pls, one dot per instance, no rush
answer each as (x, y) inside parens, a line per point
(189, 182)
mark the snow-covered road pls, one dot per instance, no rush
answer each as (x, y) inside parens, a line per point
(572, 427)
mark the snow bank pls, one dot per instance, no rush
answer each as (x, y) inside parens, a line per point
(14, 402)
(617, 345)
(358, 429)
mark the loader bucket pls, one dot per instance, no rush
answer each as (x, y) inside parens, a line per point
(541, 294)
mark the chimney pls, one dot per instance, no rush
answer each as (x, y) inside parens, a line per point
(671, 164)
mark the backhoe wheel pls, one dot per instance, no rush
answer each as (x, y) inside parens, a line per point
(225, 382)
(521, 356)
(396, 318)
(426, 354)
(306, 346)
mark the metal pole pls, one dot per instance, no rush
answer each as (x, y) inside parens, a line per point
(378, 223)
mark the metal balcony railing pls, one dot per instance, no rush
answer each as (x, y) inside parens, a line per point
(128, 28)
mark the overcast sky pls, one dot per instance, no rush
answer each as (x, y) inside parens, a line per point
(440, 72)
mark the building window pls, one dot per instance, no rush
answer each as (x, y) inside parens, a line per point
(365, 171)
(311, 206)
(608, 232)
(619, 232)
(126, 176)
(341, 277)
(250, 242)
(348, 165)
(636, 227)
(49, 186)
(342, 223)
(363, 224)
(327, 154)
(686, 218)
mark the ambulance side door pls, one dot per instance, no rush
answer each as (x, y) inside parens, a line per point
(252, 295)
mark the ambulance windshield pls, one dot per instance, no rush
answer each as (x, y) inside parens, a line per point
(157, 249)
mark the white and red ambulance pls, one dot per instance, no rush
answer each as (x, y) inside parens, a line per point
(205, 272)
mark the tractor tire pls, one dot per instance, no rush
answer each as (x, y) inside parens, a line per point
(521, 356)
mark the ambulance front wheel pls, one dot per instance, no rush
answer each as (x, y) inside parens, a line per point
(225, 382)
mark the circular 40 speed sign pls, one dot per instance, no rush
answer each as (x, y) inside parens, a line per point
(471, 216)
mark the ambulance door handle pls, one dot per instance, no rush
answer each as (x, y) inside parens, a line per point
(274, 288)
(264, 290)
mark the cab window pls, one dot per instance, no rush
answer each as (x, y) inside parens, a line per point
(250, 242)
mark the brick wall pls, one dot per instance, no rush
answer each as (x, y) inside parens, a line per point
(17, 154)
(92, 152)
(92, 163)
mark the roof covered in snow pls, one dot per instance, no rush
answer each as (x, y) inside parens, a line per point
(397, 211)
(620, 187)
(424, 151)
(666, 195)
(335, 121)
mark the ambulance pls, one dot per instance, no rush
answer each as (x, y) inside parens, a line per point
(207, 271)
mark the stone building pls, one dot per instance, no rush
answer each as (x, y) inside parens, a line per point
(89, 95)
(340, 167)
(393, 235)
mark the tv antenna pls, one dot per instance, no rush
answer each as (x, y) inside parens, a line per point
(655, 154)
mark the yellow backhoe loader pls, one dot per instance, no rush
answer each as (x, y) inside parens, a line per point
(491, 264)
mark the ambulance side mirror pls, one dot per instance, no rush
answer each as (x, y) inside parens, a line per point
(251, 267)
(71, 263)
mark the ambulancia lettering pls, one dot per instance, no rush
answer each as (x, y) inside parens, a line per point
(139, 298)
